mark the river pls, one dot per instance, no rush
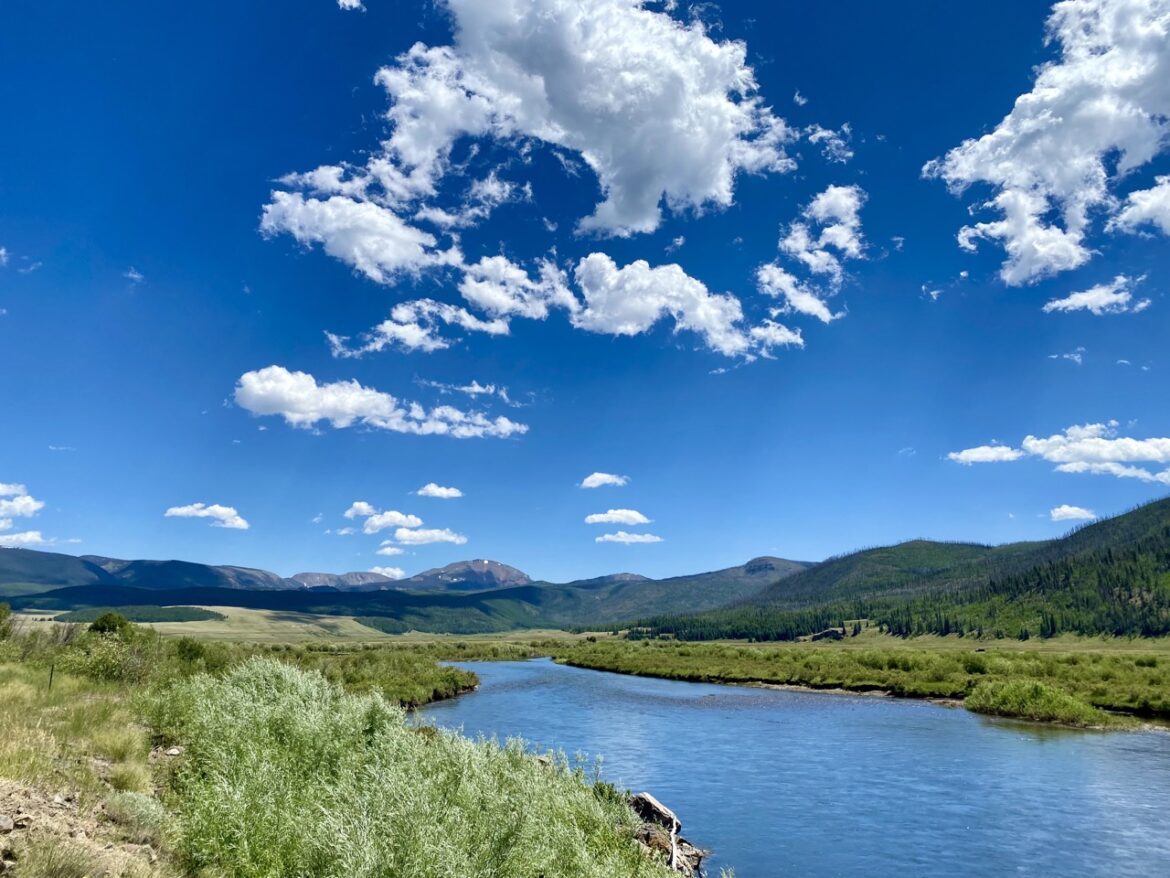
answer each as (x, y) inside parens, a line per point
(787, 783)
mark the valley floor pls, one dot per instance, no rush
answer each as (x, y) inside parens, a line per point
(83, 739)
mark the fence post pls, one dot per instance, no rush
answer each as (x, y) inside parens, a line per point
(52, 668)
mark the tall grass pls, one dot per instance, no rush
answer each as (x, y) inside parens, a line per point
(74, 736)
(1119, 681)
(285, 774)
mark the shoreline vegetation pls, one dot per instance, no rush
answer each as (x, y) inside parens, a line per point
(126, 753)
(1084, 684)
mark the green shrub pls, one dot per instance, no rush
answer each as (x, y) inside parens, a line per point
(285, 774)
(110, 623)
(106, 657)
(1033, 700)
(189, 650)
(142, 817)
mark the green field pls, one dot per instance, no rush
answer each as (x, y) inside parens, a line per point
(251, 626)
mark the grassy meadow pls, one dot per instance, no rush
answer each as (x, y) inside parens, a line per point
(124, 752)
(1074, 681)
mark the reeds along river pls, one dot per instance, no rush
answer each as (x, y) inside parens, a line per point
(784, 783)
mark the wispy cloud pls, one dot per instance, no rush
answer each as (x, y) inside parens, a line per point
(303, 402)
(628, 538)
(221, 516)
(598, 480)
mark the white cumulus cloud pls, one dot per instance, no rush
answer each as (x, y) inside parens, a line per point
(221, 516)
(389, 549)
(1115, 297)
(1087, 448)
(614, 82)
(16, 502)
(390, 518)
(360, 509)
(631, 299)
(303, 402)
(1094, 115)
(618, 300)
(390, 572)
(660, 111)
(1146, 207)
(20, 540)
(830, 232)
(430, 489)
(371, 238)
(828, 235)
(1064, 512)
(985, 454)
(424, 536)
(597, 480)
(617, 516)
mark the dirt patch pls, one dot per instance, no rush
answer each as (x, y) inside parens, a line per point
(40, 821)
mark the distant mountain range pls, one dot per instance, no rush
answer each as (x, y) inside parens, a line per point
(27, 570)
(467, 596)
(1112, 576)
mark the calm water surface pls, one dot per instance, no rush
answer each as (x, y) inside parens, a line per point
(802, 784)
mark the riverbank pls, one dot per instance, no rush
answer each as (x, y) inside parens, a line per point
(1097, 687)
(124, 753)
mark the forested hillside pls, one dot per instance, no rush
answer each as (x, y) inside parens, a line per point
(1110, 577)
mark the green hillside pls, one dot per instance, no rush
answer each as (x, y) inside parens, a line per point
(596, 603)
(25, 571)
(902, 569)
(1110, 577)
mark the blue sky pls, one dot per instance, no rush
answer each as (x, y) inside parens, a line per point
(703, 248)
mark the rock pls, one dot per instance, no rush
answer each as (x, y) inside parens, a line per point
(654, 838)
(659, 833)
(7, 824)
(175, 751)
(653, 811)
(22, 821)
(59, 800)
